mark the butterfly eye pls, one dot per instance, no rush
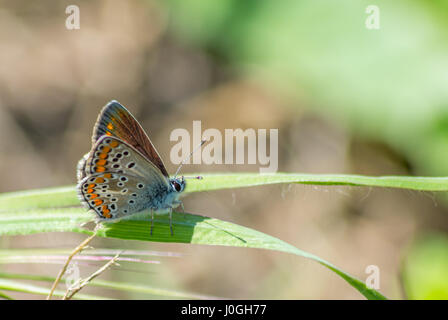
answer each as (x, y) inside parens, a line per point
(177, 186)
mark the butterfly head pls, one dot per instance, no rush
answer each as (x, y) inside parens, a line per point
(178, 184)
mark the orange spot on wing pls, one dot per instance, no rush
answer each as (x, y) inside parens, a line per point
(100, 169)
(92, 185)
(110, 126)
(108, 133)
(106, 149)
(108, 175)
(113, 144)
(98, 202)
(99, 180)
(93, 196)
(105, 211)
(103, 155)
(101, 162)
(89, 190)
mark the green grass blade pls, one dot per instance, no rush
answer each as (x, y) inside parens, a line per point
(10, 285)
(238, 180)
(66, 196)
(116, 286)
(40, 198)
(5, 296)
(43, 220)
(188, 228)
(15, 254)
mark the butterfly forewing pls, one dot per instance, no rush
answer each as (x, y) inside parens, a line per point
(110, 154)
(116, 121)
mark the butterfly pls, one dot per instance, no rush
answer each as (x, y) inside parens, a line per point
(123, 173)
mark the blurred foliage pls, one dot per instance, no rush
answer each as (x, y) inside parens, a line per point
(387, 84)
(425, 271)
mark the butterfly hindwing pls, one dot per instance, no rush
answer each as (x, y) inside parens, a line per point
(118, 180)
(116, 121)
(81, 167)
(113, 195)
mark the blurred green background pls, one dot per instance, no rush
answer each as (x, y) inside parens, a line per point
(345, 98)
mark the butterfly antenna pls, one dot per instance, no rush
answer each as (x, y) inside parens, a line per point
(187, 158)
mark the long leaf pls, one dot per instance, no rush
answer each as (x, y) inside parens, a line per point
(66, 196)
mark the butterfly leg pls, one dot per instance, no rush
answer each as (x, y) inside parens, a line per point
(152, 219)
(178, 202)
(183, 209)
(171, 219)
